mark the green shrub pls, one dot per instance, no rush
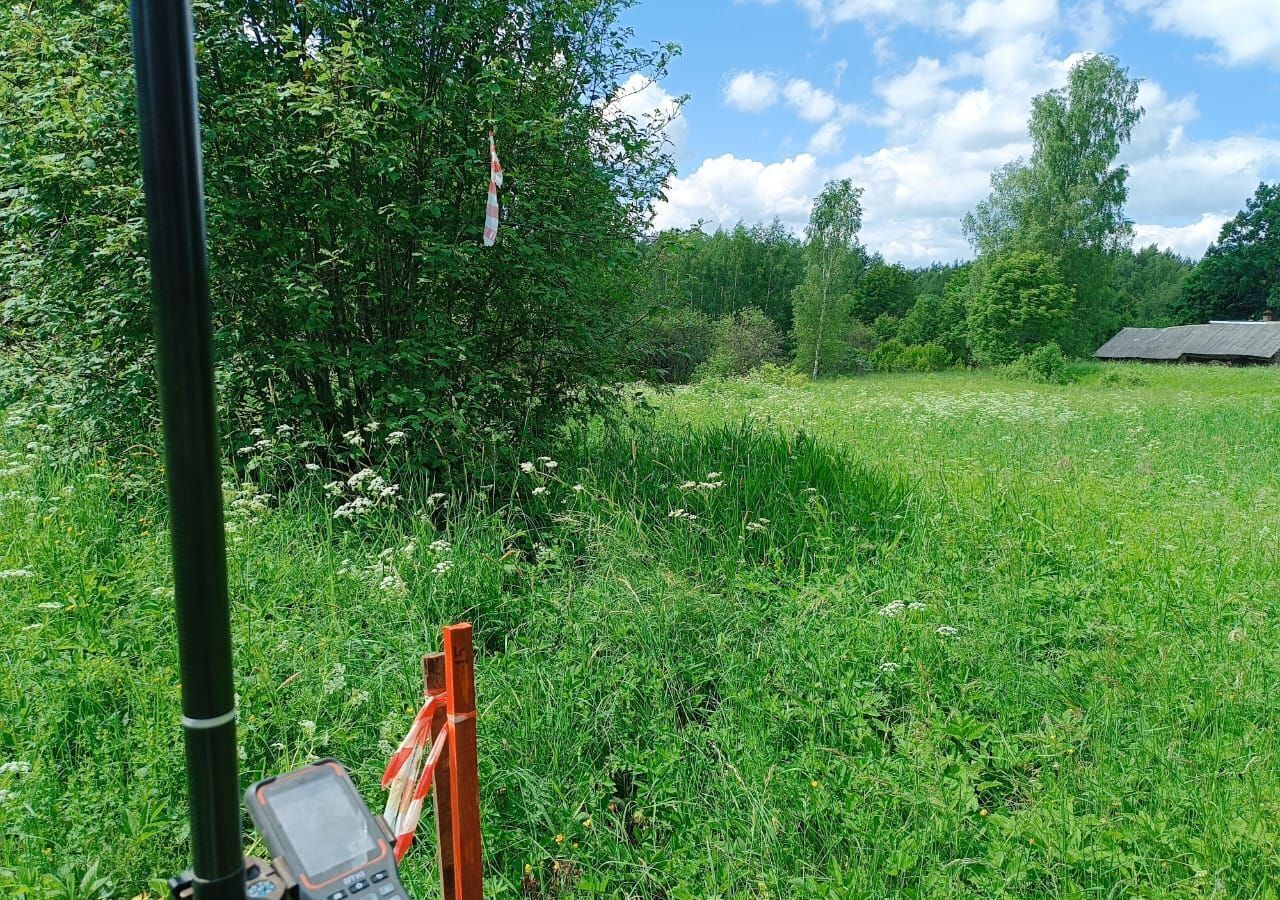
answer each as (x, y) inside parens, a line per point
(925, 358)
(888, 356)
(939, 320)
(1123, 377)
(885, 327)
(743, 341)
(1021, 303)
(772, 373)
(345, 172)
(895, 356)
(671, 345)
(1044, 365)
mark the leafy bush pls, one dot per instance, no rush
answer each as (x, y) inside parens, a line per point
(743, 341)
(939, 320)
(885, 327)
(895, 356)
(1115, 376)
(888, 356)
(346, 171)
(1044, 365)
(884, 291)
(771, 373)
(926, 358)
(672, 345)
(1021, 303)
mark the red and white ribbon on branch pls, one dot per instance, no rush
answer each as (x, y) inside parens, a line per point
(491, 210)
(408, 777)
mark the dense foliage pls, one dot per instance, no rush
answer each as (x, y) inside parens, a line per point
(1067, 200)
(719, 274)
(346, 166)
(1150, 283)
(1239, 277)
(1022, 303)
(742, 342)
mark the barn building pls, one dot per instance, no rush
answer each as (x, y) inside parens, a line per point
(1228, 343)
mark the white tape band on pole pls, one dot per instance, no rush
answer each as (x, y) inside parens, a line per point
(205, 724)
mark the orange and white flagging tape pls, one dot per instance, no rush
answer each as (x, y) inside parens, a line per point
(407, 779)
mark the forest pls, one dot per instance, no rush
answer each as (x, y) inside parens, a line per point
(1054, 267)
(341, 185)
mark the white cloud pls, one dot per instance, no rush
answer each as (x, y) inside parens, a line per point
(1188, 240)
(827, 140)
(911, 98)
(726, 189)
(1090, 22)
(824, 13)
(751, 91)
(1245, 31)
(642, 98)
(882, 50)
(811, 103)
(1191, 177)
(1002, 17)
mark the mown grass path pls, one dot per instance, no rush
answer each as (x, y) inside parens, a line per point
(968, 638)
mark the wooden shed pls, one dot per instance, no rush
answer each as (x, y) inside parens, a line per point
(1229, 343)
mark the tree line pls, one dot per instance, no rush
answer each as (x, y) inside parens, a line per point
(1054, 267)
(346, 167)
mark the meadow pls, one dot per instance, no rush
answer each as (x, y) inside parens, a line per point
(932, 636)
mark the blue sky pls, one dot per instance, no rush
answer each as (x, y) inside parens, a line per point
(918, 101)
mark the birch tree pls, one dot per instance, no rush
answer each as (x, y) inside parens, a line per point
(833, 259)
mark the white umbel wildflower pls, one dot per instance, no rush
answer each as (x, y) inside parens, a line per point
(947, 631)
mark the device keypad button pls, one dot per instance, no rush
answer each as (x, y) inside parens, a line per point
(378, 876)
(359, 886)
(386, 890)
(338, 895)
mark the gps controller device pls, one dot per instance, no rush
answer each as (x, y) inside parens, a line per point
(316, 823)
(326, 845)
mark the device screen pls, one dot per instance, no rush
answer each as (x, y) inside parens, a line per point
(321, 821)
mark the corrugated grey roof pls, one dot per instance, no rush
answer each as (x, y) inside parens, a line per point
(1221, 341)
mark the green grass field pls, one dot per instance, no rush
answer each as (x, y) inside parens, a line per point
(917, 636)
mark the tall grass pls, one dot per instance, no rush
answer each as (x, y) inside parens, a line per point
(986, 640)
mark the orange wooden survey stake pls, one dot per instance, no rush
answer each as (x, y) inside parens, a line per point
(447, 725)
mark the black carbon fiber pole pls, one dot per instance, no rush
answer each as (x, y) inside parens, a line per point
(164, 52)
